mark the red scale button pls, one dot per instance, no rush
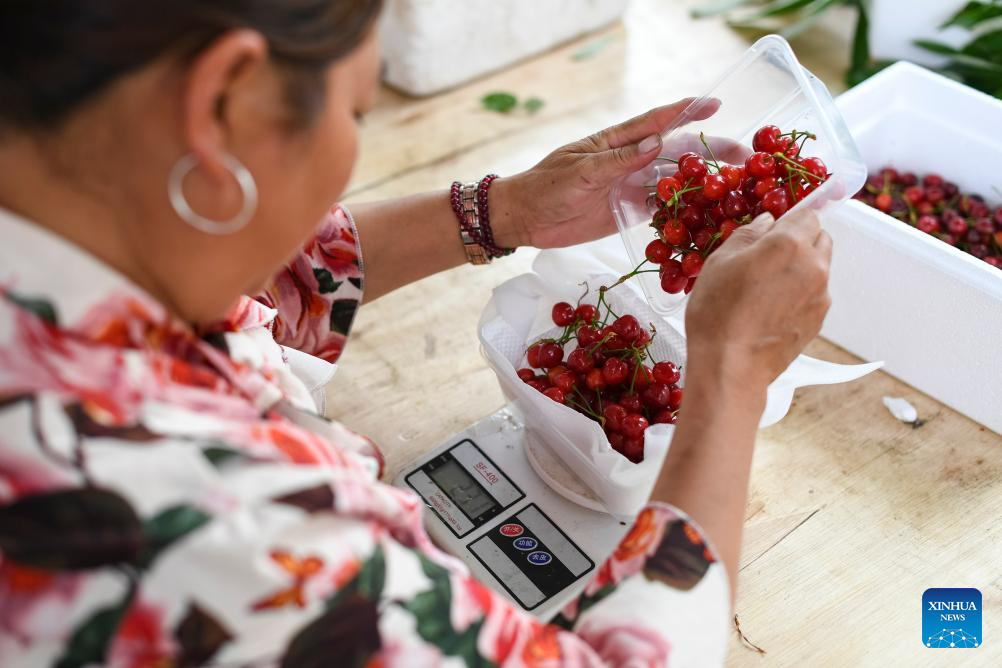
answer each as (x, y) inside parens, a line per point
(511, 530)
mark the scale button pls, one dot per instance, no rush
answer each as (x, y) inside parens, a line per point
(525, 544)
(512, 530)
(540, 558)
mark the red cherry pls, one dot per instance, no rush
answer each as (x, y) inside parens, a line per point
(715, 187)
(551, 374)
(555, 393)
(914, 194)
(586, 313)
(657, 252)
(640, 377)
(634, 425)
(532, 355)
(766, 139)
(613, 414)
(702, 239)
(615, 440)
(927, 224)
(595, 380)
(562, 314)
(537, 385)
(732, 175)
(675, 398)
(816, 167)
(615, 371)
(776, 202)
(666, 372)
(762, 186)
(675, 233)
(717, 214)
(692, 166)
(580, 361)
(550, 355)
(760, 165)
(934, 180)
(692, 264)
(587, 335)
(642, 339)
(727, 229)
(633, 449)
(670, 269)
(665, 417)
(627, 327)
(656, 395)
(526, 374)
(690, 284)
(631, 402)
(667, 187)
(735, 205)
(565, 381)
(692, 217)
(883, 202)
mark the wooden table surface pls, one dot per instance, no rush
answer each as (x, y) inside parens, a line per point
(851, 516)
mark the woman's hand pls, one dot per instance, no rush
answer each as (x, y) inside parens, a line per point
(564, 200)
(760, 299)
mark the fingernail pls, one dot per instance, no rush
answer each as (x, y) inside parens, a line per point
(649, 144)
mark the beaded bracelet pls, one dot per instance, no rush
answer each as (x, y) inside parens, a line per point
(469, 202)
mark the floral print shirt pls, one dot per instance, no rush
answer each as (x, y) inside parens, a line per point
(169, 498)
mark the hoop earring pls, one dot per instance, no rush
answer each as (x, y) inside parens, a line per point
(175, 190)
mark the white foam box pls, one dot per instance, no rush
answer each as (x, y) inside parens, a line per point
(431, 45)
(931, 312)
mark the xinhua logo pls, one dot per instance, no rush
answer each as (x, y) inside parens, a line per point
(951, 618)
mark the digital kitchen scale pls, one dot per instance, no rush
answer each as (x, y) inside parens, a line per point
(491, 500)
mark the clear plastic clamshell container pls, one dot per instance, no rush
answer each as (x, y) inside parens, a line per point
(768, 86)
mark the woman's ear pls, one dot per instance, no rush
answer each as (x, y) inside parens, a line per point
(216, 78)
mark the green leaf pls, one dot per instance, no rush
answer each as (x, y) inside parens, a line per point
(812, 15)
(342, 313)
(533, 104)
(987, 46)
(200, 636)
(89, 643)
(222, 454)
(777, 8)
(40, 307)
(167, 527)
(974, 13)
(71, 529)
(859, 61)
(717, 7)
(500, 102)
(936, 47)
(368, 582)
(325, 281)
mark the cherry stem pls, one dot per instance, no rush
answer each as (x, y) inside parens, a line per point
(713, 159)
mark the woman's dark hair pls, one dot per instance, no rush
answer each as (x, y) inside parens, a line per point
(57, 54)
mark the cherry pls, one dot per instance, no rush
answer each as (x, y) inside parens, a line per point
(666, 372)
(665, 417)
(727, 228)
(692, 264)
(657, 252)
(735, 205)
(733, 175)
(667, 187)
(675, 233)
(580, 361)
(675, 398)
(776, 202)
(715, 187)
(883, 202)
(957, 226)
(634, 425)
(934, 194)
(526, 374)
(642, 339)
(615, 371)
(674, 285)
(537, 385)
(656, 395)
(550, 355)
(692, 166)
(692, 217)
(587, 335)
(641, 378)
(670, 269)
(532, 355)
(595, 380)
(702, 239)
(552, 374)
(816, 168)
(760, 165)
(615, 440)
(633, 449)
(927, 224)
(934, 180)
(690, 284)
(762, 186)
(556, 394)
(717, 214)
(631, 402)
(627, 327)
(562, 314)
(766, 139)
(586, 312)
(613, 414)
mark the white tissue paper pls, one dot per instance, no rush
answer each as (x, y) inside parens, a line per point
(519, 313)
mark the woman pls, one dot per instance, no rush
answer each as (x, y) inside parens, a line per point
(168, 495)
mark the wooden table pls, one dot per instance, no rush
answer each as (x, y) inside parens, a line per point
(852, 515)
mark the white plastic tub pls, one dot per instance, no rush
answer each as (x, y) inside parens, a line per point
(931, 312)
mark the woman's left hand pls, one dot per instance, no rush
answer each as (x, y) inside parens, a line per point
(564, 200)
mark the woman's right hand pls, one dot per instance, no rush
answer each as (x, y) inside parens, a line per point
(760, 299)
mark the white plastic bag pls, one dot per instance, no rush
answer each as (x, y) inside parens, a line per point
(519, 314)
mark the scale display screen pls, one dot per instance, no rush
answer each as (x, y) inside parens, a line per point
(464, 491)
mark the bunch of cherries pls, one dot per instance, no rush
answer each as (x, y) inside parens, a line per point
(607, 374)
(937, 207)
(706, 200)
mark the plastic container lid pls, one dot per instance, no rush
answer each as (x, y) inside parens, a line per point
(767, 86)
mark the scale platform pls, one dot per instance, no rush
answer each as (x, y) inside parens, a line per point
(522, 522)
